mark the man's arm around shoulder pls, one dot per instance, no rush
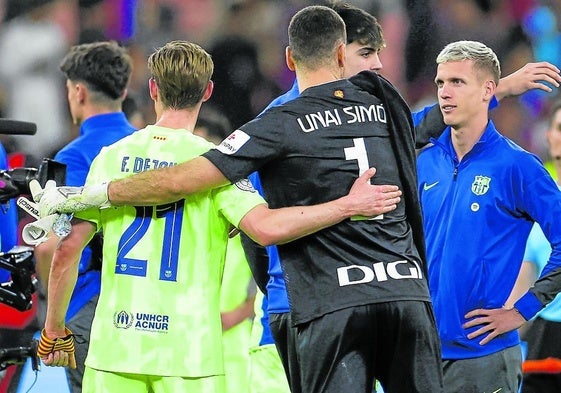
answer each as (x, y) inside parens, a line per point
(160, 186)
(166, 185)
(276, 226)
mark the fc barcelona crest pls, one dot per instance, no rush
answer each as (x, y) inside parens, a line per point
(480, 185)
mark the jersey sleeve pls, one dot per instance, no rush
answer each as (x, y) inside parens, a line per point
(540, 198)
(250, 147)
(428, 123)
(236, 200)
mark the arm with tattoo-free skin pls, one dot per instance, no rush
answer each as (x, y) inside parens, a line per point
(173, 183)
(62, 280)
(276, 226)
(531, 76)
(166, 185)
(265, 226)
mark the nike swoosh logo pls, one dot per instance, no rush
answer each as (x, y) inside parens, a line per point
(427, 187)
(498, 390)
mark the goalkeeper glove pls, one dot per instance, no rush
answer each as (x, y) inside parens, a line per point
(37, 232)
(68, 199)
(66, 344)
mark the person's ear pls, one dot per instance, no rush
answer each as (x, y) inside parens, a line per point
(289, 59)
(341, 53)
(153, 89)
(208, 91)
(490, 89)
(81, 92)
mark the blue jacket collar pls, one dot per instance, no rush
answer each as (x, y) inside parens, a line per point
(102, 121)
(489, 135)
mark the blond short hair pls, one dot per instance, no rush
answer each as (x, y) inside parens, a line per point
(182, 71)
(483, 57)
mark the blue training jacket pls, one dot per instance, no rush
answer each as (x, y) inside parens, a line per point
(477, 216)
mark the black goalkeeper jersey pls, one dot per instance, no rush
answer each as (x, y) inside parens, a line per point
(309, 151)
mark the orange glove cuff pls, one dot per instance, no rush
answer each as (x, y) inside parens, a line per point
(47, 345)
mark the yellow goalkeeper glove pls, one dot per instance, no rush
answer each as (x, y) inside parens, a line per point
(66, 344)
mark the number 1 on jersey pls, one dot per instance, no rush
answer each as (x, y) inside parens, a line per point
(358, 152)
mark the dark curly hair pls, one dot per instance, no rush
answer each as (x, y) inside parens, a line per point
(104, 67)
(360, 26)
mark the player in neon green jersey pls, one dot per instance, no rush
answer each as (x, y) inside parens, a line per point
(157, 325)
(237, 295)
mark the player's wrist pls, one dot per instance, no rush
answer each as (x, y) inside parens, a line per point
(345, 207)
(97, 195)
(53, 341)
(53, 334)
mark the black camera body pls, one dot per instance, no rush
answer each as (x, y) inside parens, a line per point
(17, 292)
(19, 355)
(15, 182)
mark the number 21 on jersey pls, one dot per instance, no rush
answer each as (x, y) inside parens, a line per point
(172, 214)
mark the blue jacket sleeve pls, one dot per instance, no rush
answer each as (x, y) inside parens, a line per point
(8, 214)
(542, 199)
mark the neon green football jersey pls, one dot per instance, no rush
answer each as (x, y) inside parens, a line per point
(158, 311)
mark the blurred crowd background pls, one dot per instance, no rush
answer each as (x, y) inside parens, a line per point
(246, 39)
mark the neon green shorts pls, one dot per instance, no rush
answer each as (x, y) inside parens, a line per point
(266, 373)
(97, 381)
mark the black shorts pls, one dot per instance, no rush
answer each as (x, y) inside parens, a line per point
(345, 351)
(544, 340)
(285, 341)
